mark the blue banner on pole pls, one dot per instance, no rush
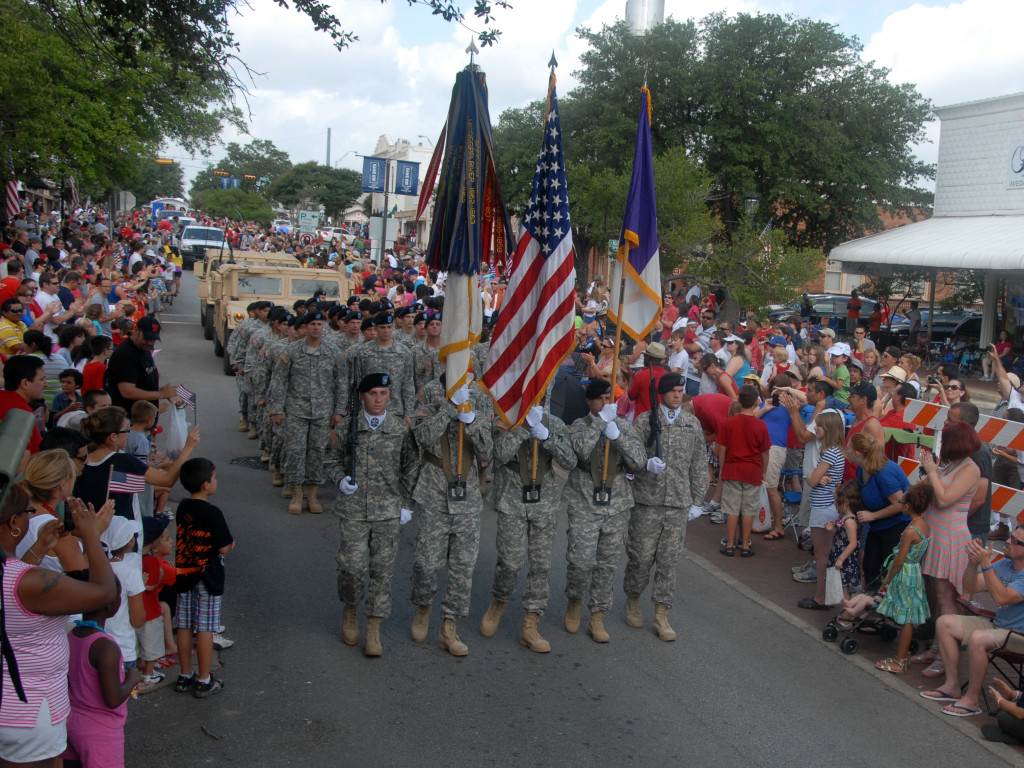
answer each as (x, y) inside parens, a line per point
(407, 177)
(374, 176)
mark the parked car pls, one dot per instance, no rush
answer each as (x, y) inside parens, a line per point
(195, 240)
(970, 327)
(944, 325)
(824, 306)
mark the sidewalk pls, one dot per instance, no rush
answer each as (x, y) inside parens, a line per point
(768, 575)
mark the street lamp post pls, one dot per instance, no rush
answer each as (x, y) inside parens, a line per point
(750, 202)
(338, 161)
(421, 136)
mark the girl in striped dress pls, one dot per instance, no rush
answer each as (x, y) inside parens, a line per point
(902, 588)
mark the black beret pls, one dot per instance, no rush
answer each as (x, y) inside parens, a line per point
(669, 381)
(277, 314)
(597, 388)
(367, 323)
(353, 315)
(382, 318)
(420, 318)
(434, 316)
(372, 380)
(402, 312)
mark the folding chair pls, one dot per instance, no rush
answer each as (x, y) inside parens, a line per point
(790, 502)
(999, 656)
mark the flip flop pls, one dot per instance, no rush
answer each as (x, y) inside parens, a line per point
(937, 694)
(928, 657)
(774, 535)
(955, 710)
(936, 669)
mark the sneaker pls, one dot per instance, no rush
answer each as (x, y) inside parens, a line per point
(220, 630)
(220, 642)
(185, 684)
(810, 576)
(202, 690)
(711, 507)
(804, 567)
(718, 517)
(149, 683)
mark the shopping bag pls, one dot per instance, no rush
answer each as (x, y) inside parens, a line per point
(763, 518)
(177, 431)
(833, 586)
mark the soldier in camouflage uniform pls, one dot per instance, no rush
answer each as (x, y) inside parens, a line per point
(672, 486)
(403, 327)
(526, 529)
(596, 531)
(371, 506)
(259, 382)
(350, 327)
(333, 331)
(384, 355)
(292, 332)
(306, 387)
(425, 361)
(258, 337)
(241, 333)
(449, 531)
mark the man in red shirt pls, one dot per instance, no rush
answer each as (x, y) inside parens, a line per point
(9, 285)
(24, 380)
(640, 389)
(743, 445)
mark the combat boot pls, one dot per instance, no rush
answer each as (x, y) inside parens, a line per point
(295, 506)
(661, 625)
(243, 425)
(572, 616)
(278, 480)
(634, 618)
(449, 639)
(350, 625)
(252, 432)
(489, 623)
(371, 645)
(311, 499)
(596, 628)
(264, 458)
(286, 490)
(530, 637)
(420, 623)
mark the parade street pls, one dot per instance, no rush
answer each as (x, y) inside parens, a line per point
(742, 685)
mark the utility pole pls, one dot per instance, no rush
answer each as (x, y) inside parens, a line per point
(328, 163)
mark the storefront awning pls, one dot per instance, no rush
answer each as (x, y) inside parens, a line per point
(946, 242)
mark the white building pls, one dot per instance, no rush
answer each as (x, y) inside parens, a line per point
(402, 149)
(644, 15)
(978, 220)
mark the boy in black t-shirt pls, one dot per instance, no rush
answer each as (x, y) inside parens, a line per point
(202, 540)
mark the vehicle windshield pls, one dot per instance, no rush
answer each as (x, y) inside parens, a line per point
(264, 286)
(207, 234)
(308, 287)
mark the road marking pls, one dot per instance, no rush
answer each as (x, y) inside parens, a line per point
(178, 322)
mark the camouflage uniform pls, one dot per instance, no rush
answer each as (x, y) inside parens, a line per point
(479, 354)
(306, 388)
(235, 351)
(657, 526)
(275, 432)
(409, 339)
(426, 366)
(527, 531)
(259, 336)
(596, 533)
(395, 360)
(387, 465)
(448, 531)
(344, 343)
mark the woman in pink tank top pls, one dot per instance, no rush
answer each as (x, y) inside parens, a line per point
(36, 604)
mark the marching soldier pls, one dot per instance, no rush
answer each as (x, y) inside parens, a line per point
(426, 365)
(672, 486)
(238, 336)
(527, 497)
(384, 355)
(404, 333)
(599, 498)
(449, 523)
(306, 387)
(259, 335)
(371, 505)
(350, 327)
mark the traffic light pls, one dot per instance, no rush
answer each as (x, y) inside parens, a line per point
(164, 161)
(221, 173)
(249, 177)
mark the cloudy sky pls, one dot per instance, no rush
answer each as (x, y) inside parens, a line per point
(397, 78)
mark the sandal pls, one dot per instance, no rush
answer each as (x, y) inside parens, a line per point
(728, 551)
(747, 551)
(927, 657)
(935, 669)
(774, 535)
(895, 665)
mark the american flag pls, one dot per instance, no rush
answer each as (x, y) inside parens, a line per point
(534, 332)
(74, 193)
(13, 203)
(126, 482)
(188, 397)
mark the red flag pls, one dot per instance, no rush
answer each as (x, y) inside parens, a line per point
(534, 332)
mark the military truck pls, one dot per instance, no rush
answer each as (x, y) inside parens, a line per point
(232, 286)
(208, 286)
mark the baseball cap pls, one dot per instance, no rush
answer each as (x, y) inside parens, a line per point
(733, 337)
(153, 528)
(1014, 380)
(864, 389)
(150, 328)
(779, 341)
(827, 332)
(842, 348)
(119, 532)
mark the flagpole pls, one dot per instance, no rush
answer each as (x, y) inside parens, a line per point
(615, 366)
(109, 478)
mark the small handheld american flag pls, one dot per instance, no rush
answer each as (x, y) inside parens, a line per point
(188, 397)
(126, 482)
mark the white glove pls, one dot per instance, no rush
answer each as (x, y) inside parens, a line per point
(534, 415)
(655, 465)
(346, 486)
(611, 431)
(467, 417)
(695, 512)
(461, 395)
(539, 431)
(404, 516)
(608, 413)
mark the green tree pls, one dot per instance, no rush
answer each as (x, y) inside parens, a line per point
(259, 158)
(158, 180)
(333, 188)
(234, 203)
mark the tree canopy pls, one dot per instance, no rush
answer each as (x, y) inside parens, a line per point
(259, 158)
(334, 188)
(158, 180)
(234, 203)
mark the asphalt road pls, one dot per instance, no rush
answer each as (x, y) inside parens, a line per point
(743, 684)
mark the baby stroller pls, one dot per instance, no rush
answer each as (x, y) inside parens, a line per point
(868, 621)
